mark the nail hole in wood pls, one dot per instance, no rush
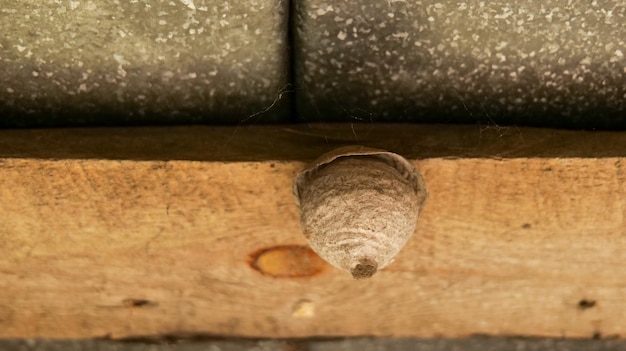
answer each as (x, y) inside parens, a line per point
(138, 303)
(586, 304)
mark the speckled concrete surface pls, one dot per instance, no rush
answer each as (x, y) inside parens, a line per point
(548, 63)
(107, 345)
(472, 344)
(87, 62)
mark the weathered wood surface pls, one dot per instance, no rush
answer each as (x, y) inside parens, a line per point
(193, 230)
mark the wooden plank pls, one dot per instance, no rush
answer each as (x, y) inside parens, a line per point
(193, 230)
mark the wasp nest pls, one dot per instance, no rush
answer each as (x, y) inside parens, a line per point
(359, 206)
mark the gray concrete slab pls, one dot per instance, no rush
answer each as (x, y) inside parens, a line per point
(106, 345)
(84, 62)
(548, 63)
(472, 344)
(358, 344)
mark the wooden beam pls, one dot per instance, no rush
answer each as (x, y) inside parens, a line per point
(193, 230)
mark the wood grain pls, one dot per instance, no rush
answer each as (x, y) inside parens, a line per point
(145, 232)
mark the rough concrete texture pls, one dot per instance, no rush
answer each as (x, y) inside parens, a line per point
(87, 62)
(549, 63)
(473, 344)
(107, 345)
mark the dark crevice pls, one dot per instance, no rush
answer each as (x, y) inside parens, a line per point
(291, 59)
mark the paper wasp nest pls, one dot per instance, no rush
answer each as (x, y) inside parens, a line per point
(359, 206)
